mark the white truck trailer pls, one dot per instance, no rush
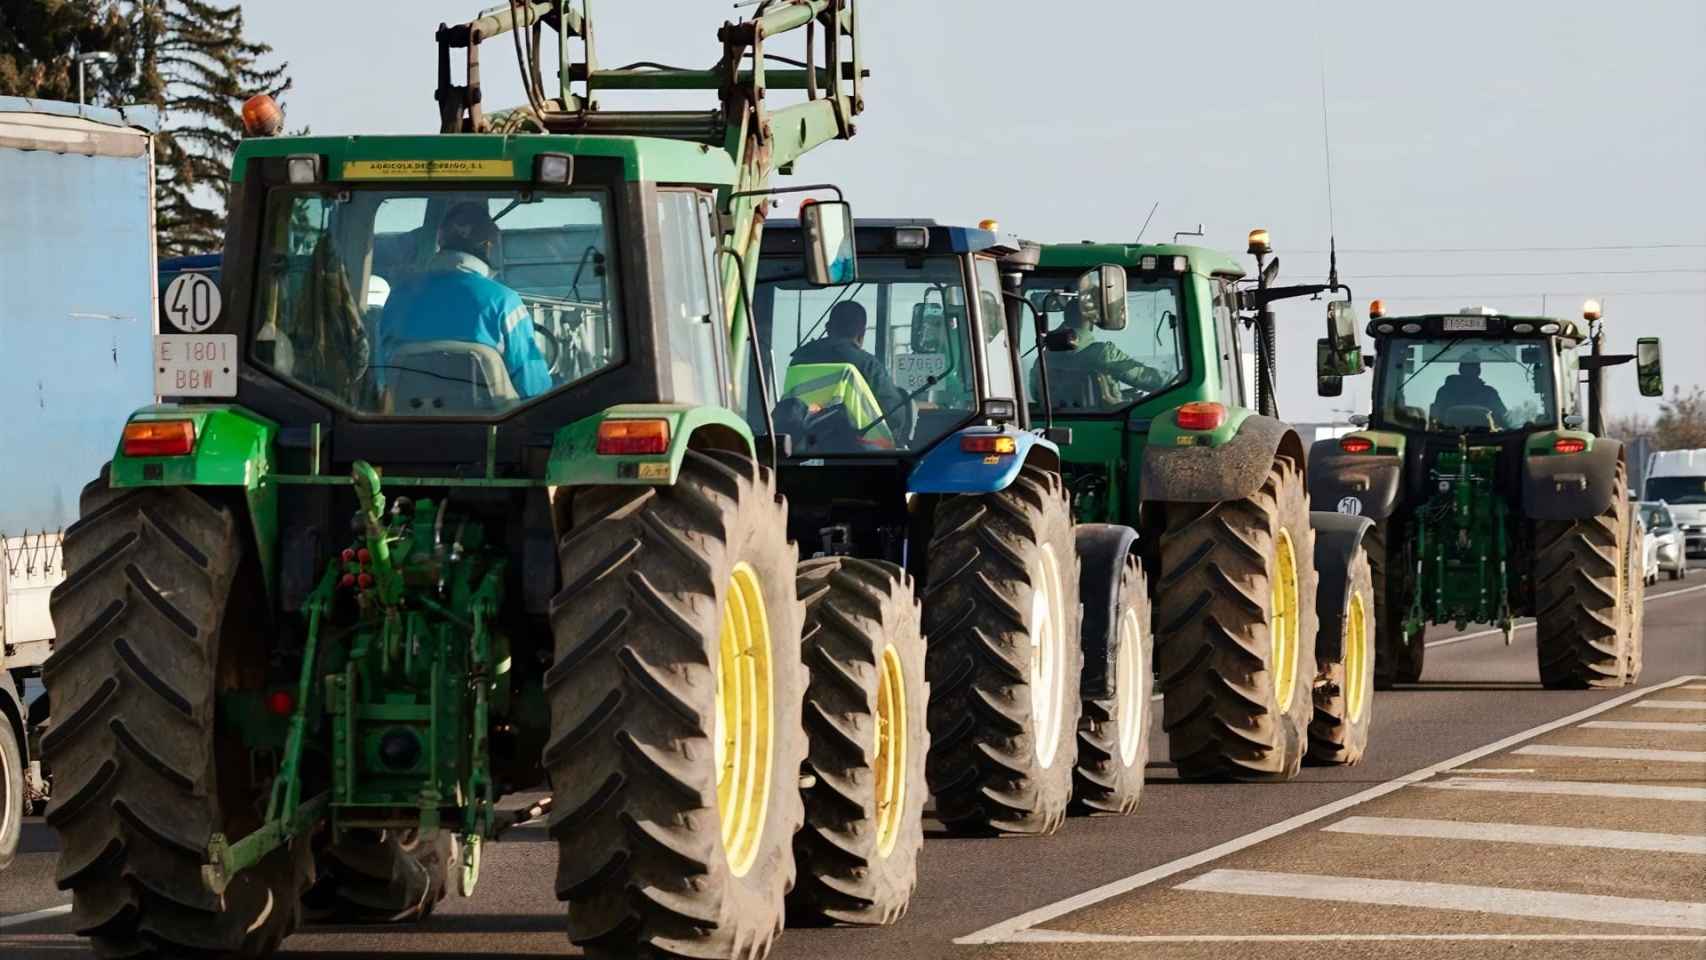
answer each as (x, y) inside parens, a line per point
(77, 319)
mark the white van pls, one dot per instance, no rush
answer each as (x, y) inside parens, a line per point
(1678, 477)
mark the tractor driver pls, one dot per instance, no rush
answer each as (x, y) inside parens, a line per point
(1465, 388)
(457, 299)
(841, 343)
(1092, 373)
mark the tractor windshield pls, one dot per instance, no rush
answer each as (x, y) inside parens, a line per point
(1467, 384)
(436, 302)
(1105, 371)
(880, 365)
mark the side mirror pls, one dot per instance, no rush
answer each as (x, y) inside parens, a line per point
(1101, 296)
(1649, 367)
(1328, 380)
(1344, 341)
(830, 257)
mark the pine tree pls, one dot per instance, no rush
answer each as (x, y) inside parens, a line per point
(198, 69)
(39, 40)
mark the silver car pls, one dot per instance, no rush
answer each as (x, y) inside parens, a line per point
(1665, 545)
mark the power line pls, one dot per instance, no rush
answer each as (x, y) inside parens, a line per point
(1543, 293)
(1587, 249)
(1537, 273)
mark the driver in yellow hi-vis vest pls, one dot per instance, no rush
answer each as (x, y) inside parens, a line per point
(841, 344)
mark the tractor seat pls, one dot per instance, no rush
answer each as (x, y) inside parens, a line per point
(449, 376)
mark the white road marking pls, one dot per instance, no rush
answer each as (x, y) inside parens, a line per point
(1455, 896)
(1525, 624)
(35, 915)
(1672, 704)
(1574, 788)
(1693, 686)
(1657, 726)
(1614, 753)
(1494, 770)
(1004, 930)
(1520, 833)
(1068, 936)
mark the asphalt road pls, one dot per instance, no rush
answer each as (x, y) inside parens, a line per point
(1490, 818)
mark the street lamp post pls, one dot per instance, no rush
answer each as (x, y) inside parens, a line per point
(83, 60)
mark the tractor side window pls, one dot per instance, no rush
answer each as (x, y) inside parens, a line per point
(1571, 390)
(997, 347)
(1226, 340)
(689, 303)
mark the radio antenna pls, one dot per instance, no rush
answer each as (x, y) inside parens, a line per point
(1146, 222)
(1327, 152)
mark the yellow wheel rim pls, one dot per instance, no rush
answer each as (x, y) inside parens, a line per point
(744, 735)
(1358, 664)
(1282, 622)
(891, 750)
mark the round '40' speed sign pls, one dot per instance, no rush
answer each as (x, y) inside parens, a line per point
(191, 302)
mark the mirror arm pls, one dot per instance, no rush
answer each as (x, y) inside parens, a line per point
(757, 354)
(728, 203)
(1042, 357)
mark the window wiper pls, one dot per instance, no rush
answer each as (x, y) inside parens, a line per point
(1454, 341)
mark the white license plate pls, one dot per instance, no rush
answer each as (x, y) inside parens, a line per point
(195, 365)
(1465, 324)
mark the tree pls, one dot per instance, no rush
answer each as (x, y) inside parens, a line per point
(186, 57)
(1682, 420)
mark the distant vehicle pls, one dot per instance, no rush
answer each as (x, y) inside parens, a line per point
(77, 325)
(1678, 477)
(1665, 547)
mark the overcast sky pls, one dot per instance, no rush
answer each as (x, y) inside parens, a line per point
(1563, 140)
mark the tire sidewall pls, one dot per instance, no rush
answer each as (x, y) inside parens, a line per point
(1057, 539)
(1292, 738)
(11, 789)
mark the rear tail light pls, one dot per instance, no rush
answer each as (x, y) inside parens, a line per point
(1356, 444)
(994, 444)
(1569, 445)
(618, 437)
(1201, 415)
(280, 703)
(159, 438)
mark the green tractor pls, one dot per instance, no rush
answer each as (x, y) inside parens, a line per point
(1494, 490)
(1234, 574)
(450, 500)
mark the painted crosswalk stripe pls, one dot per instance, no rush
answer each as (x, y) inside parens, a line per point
(1614, 753)
(1504, 901)
(1657, 726)
(1574, 788)
(1494, 770)
(1693, 686)
(1671, 704)
(1521, 833)
(1076, 936)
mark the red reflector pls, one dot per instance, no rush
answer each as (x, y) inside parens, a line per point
(1569, 445)
(989, 443)
(1356, 444)
(633, 437)
(159, 438)
(1201, 415)
(281, 703)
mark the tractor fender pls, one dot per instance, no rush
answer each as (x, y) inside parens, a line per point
(1571, 485)
(1338, 537)
(1185, 467)
(948, 468)
(1357, 484)
(576, 462)
(1102, 549)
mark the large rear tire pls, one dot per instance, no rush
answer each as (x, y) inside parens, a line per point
(1344, 702)
(1581, 569)
(1004, 658)
(675, 714)
(1398, 658)
(1113, 733)
(865, 726)
(11, 788)
(157, 617)
(386, 876)
(1235, 631)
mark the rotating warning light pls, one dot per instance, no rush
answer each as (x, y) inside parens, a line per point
(992, 225)
(262, 116)
(1376, 309)
(1259, 243)
(1590, 310)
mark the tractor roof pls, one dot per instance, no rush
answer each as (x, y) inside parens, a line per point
(876, 236)
(1083, 256)
(469, 156)
(1473, 322)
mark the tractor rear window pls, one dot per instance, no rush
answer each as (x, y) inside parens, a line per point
(437, 303)
(1467, 384)
(1106, 370)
